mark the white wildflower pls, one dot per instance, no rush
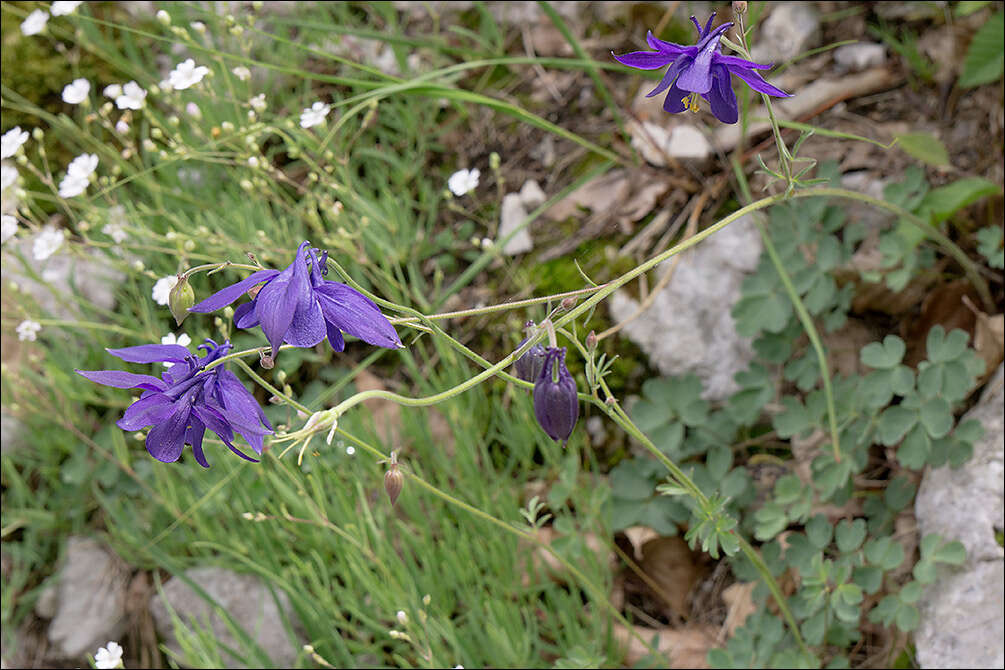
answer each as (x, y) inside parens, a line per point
(63, 7)
(242, 73)
(121, 127)
(463, 181)
(78, 175)
(258, 103)
(350, 450)
(35, 23)
(112, 91)
(48, 241)
(108, 657)
(8, 175)
(182, 340)
(402, 617)
(8, 228)
(133, 96)
(186, 74)
(27, 330)
(162, 289)
(12, 141)
(76, 91)
(314, 115)
(115, 231)
(193, 110)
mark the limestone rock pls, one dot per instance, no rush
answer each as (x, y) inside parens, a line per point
(512, 215)
(962, 613)
(860, 56)
(689, 328)
(245, 597)
(91, 599)
(791, 29)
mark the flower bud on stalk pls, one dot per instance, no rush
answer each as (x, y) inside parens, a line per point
(394, 481)
(180, 299)
(591, 342)
(528, 367)
(556, 404)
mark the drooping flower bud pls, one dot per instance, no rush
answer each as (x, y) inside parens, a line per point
(180, 299)
(394, 480)
(556, 404)
(591, 341)
(528, 367)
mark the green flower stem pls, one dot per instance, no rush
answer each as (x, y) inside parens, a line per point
(811, 332)
(594, 590)
(269, 387)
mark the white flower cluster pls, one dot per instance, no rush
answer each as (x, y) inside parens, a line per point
(314, 115)
(78, 175)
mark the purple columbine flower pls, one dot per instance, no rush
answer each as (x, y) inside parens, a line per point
(528, 367)
(186, 400)
(699, 70)
(556, 404)
(300, 307)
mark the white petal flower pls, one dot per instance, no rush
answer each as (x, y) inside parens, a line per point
(162, 289)
(76, 92)
(72, 186)
(64, 7)
(8, 228)
(12, 141)
(186, 74)
(182, 340)
(315, 115)
(242, 73)
(82, 166)
(121, 127)
(463, 181)
(27, 330)
(108, 657)
(112, 91)
(133, 96)
(8, 175)
(258, 103)
(47, 243)
(35, 22)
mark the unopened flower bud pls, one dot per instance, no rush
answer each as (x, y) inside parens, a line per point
(494, 160)
(568, 303)
(180, 299)
(740, 7)
(556, 403)
(528, 367)
(591, 341)
(394, 480)
(163, 17)
(266, 361)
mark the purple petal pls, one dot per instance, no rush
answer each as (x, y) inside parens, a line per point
(669, 48)
(212, 420)
(224, 297)
(352, 312)
(234, 397)
(735, 61)
(278, 300)
(147, 411)
(644, 60)
(122, 380)
(166, 440)
(697, 77)
(674, 102)
(335, 337)
(193, 436)
(670, 76)
(244, 315)
(307, 327)
(756, 82)
(721, 97)
(152, 353)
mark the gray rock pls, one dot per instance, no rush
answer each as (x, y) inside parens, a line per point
(791, 29)
(65, 276)
(531, 194)
(860, 56)
(12, 433)
(689, 328)
(245, 597)
(512, 215)
(656, 143)
(91, 599)
(962, 614)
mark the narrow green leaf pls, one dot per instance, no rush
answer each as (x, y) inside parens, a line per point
(983, 63)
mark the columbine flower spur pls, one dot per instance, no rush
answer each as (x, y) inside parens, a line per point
(300, 307)
(186, 400)
(556, 404)
(699, 70)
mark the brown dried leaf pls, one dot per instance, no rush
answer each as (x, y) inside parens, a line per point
(739, 599)
(671, 565)
(685, 647)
